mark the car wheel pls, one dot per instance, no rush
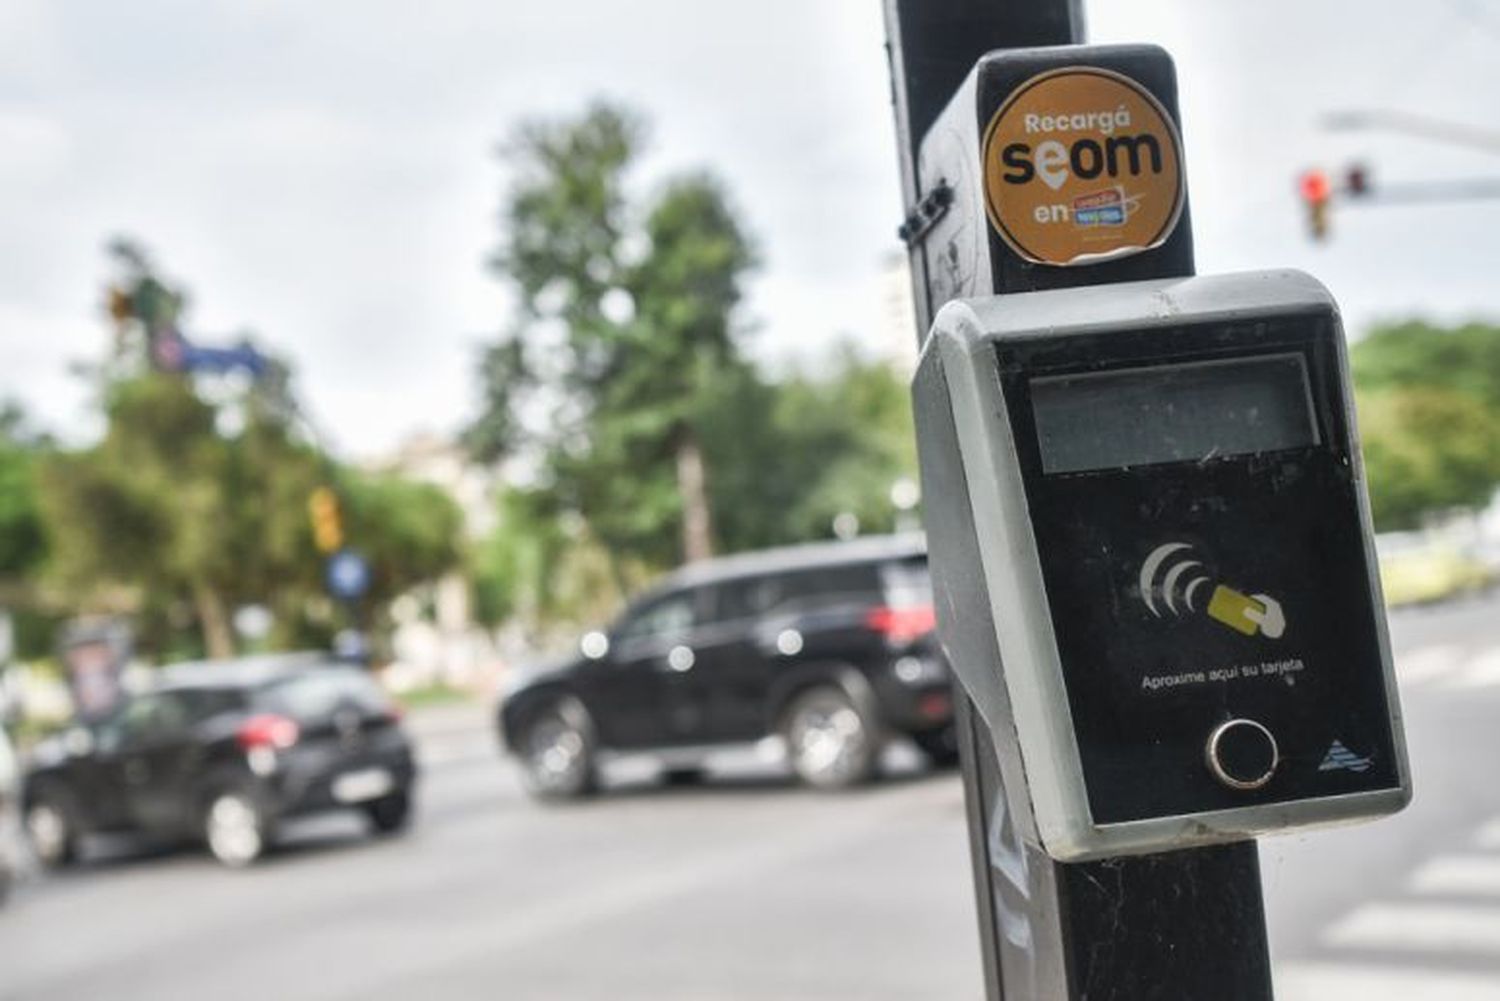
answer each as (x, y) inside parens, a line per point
(51, 830)
(236, 828)
(557, 752)
(939, 746)
(830, 742)
(390, 814)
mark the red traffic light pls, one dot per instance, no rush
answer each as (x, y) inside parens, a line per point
(1314, 187)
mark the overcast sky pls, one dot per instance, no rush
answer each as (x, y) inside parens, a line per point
(323, 173)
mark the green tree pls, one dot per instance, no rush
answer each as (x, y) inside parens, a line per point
(408, 532)
(1464, 359)
(794, 454)
(153, 509)
(23, 544)
(685, 292)
(623, 316)
(542, 571)
(1429, 408)
(187, 508)
(1427, 450)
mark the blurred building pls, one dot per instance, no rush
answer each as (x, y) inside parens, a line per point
(437, 640)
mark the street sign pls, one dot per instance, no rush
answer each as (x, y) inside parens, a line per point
(171, 351)
(94, 653)
(348, 575)
(1153, 561)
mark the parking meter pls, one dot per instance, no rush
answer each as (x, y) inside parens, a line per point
(1153, 561)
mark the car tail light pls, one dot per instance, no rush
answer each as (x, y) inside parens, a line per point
(935, 706)
(902, 625)
(267, 730)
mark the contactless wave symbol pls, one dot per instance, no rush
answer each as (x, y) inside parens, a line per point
(1171, 580)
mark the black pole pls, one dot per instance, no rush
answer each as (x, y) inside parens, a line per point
(1178, 926)
(931, 46)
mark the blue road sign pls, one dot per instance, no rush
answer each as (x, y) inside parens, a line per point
(348, 574)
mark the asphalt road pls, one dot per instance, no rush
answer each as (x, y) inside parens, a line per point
(751, 890)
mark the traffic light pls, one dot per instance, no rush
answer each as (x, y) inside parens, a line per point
(120, 306)
(327, 523)
(1315, 190)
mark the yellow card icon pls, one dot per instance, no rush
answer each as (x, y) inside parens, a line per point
(1239, 612)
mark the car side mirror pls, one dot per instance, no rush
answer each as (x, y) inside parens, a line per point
(594, 645)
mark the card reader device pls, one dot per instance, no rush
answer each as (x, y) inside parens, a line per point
(1153, 563)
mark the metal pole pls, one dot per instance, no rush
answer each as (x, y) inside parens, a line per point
(1179, 926)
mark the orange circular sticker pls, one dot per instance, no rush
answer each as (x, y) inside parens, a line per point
(1081, 165)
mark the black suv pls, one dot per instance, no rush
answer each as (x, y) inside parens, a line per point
(829, 646)
(222, 752)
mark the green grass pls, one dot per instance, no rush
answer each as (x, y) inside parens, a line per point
(438, 694)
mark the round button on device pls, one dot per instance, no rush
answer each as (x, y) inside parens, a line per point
(1242, 754)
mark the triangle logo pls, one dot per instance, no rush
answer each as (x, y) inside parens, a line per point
(1340, 758)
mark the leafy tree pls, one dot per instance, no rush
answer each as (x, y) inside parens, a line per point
(1429, 407)
(622, 318)
(1427, 450)
(792, 455)
(1463, 359)
(685, 292)
(190, 507)
(22, 538)
(788, 456)
(151, 508)
(408, 532)
(541, 571)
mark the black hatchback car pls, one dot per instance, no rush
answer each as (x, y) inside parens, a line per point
(222, 752)
(829, 646)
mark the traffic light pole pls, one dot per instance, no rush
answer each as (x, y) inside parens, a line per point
(1178, 926)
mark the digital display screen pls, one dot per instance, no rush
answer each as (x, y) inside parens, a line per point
(1172, 413)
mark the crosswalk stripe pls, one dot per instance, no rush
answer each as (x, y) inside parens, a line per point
(1419, 928)
(1480, 672)
(1306, 981)
(1459, 875)
(1426, 664)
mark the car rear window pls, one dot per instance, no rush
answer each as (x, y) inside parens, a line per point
(752, 597)
(205, 703)
(320, 691)
(907, 582)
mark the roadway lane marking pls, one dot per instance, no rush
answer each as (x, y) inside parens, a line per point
(1419, 928)
(1425, 664)
(1481, 671)
(1458, 875)
(1305, 981)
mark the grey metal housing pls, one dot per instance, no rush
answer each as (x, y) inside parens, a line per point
(992, 605)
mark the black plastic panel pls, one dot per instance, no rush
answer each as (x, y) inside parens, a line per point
(1154, 661)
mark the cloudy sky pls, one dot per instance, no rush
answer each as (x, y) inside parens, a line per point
(323, 173)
